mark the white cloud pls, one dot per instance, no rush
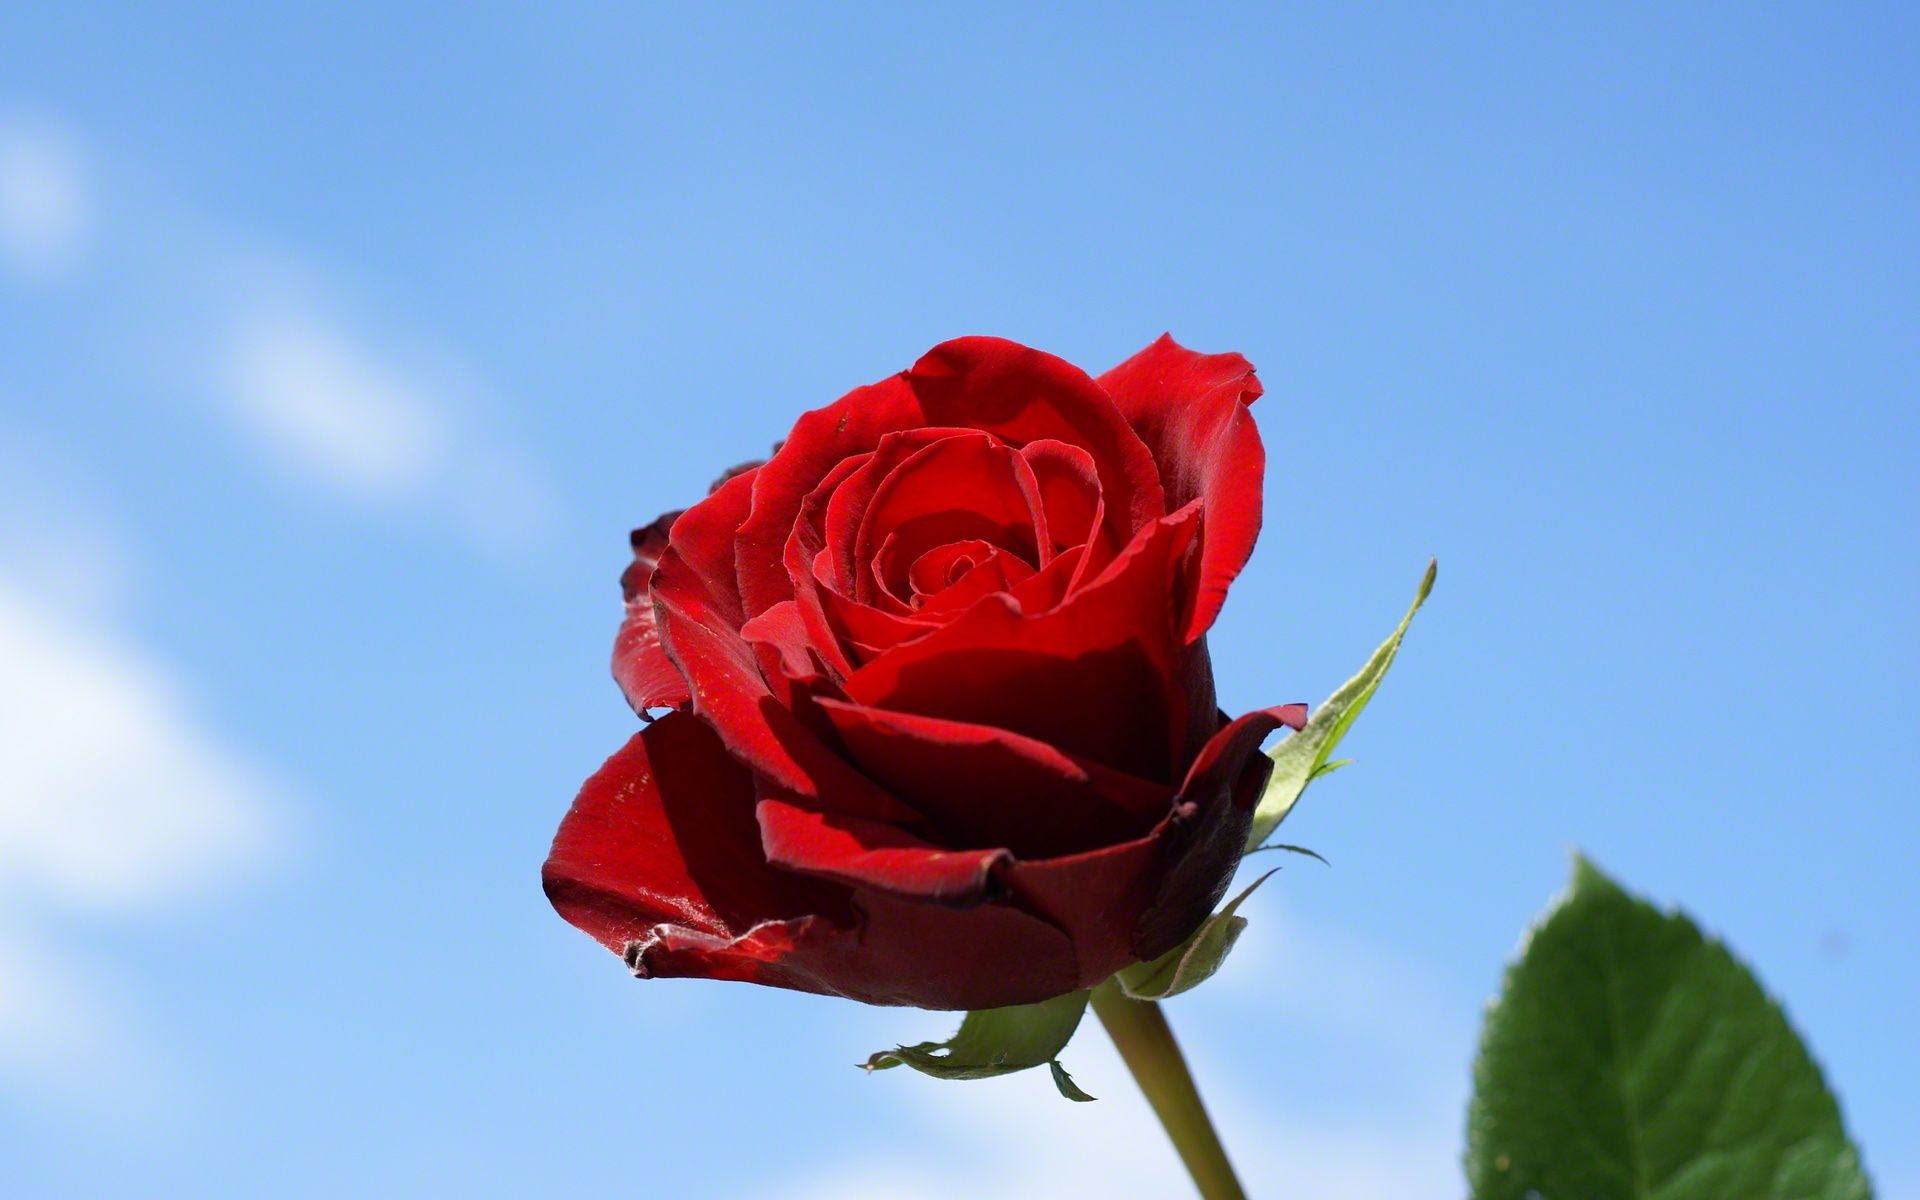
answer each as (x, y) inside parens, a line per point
(112, 798)
(370, 419)
(310, 394)
(329, 389)
(45, 208)
(117, 804)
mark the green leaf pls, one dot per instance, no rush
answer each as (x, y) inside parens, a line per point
(1193, 961)
(1302, 757)
(1630, 1057)
(1315, 855)
(1065, 1083)
(998, 1041)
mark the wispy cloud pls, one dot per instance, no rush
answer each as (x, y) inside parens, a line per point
(305, 391)
(321, 384)
(112, 797)
(117, 803)
(45, 208)
(378, 421)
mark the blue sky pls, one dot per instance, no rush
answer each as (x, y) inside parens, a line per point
(339, 350)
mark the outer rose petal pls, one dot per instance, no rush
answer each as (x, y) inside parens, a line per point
(1225, 781)
(703, 538)
(875, 856)
(659, 860)
(982, 786)
(1134, 901)
(640, 663)
(647, 677)
(1174, 876)
(661, 850)
(1191, 410)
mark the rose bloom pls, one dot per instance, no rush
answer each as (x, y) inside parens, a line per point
(941, 726)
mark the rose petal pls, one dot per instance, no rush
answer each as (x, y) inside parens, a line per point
(1224, 782)
(1070, 495)
(1099, 676)
(647, 677)
(703, 538)
(659, 860)
(847, 495)
(932, 956)
(1172, 877)
(1023, 395)
(661, 847)
(1191, 411)
(821, 439)
(729, 690)
(982, 786)
(1000, 571)
(803, 556)
(875, 856)
(968, 479)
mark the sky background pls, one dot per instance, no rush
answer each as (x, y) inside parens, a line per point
(340, 350)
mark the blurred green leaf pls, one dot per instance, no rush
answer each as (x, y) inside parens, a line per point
(998, 1041)
(1303, 756)
(1315, 855)
(1630, 1057)
(1193, 961)
(1065, 1083)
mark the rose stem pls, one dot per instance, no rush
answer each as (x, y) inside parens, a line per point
(1145, 1041)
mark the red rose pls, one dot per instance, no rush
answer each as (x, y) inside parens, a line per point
(943, 727)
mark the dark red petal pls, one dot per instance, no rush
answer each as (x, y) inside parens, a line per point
(1219, 763)
(703, 541)
(941, 567)
(805, 548)
(783, 647)
(870, 630)
(968, 475)
(661, 845)
(842, 498)
(981, 786)
(1191, 411)
(874, 856)
(1223, 784)
(647, 677)
(932, 956)
(659, 860)
(1101, 676)
(1100, 896)
(730, 692)
(1023, 395)
(853, 424)
(1000, 571)
(1069, 487)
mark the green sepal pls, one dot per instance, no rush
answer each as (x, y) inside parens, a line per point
(998, 1041)
(1315, 855)
(1628, 1055)
(1302, 757)
(1193, 961)
(1065, 1083)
